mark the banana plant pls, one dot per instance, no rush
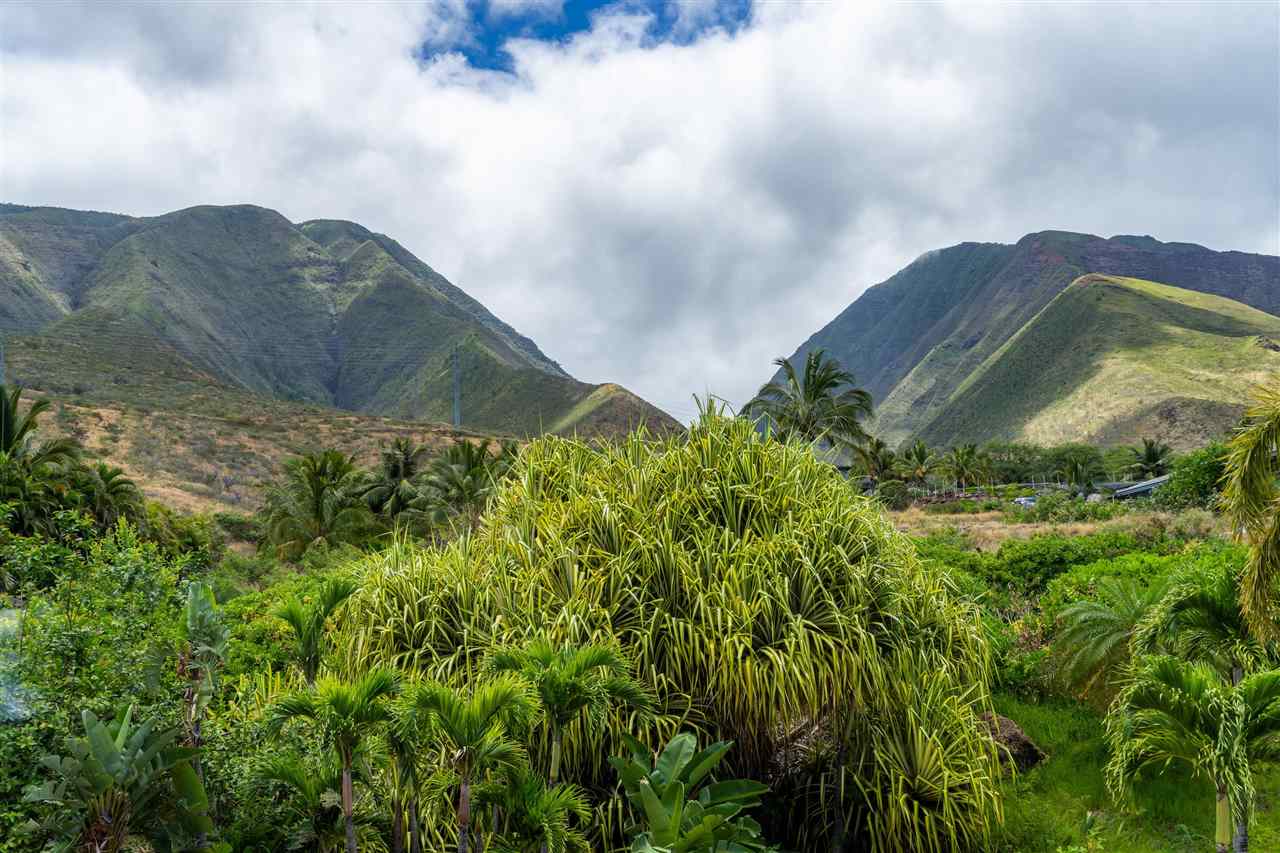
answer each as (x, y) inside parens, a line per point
(114, 775)
(683, 810)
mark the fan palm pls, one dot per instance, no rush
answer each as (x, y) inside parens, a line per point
(573, 682)
(1251, 500)
(875, 458)
(1175, 712)
(343, 714)
(1094, 636)
(917, 462)
(308, 622)
(1151, 459)
(314, 503)
(826, 405)
(474, 733)
(394, 487)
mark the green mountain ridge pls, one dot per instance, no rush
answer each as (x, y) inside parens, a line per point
(916, 338)
(322, 312)
(1111, 360)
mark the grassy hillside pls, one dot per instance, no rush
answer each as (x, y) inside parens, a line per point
(915, 338)
(161, 311)
(1111, 360)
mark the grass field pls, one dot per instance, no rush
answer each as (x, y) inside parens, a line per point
(1063, 804)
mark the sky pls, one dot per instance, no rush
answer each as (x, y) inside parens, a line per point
(664, 195)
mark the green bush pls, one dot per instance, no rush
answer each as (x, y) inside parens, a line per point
(239, 528)
(1194, 480)
(894, 494)
(1062, 508)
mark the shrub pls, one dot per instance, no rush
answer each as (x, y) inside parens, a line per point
(894, 494)
(1061, 508)
(744, 580)
(1194, 479)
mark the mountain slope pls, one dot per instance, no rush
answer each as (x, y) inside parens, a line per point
(325, 312)
(914, 339)
(1111, 360)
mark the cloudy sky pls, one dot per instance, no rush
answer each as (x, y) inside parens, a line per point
(664, 195)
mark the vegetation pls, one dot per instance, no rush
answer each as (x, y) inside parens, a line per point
(1251, 498)
(522, 649)
(825, 405)
(371, 328)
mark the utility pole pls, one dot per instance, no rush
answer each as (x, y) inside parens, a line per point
(1, 358)
(455, 363)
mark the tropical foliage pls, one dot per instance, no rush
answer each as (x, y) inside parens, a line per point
(824, 405)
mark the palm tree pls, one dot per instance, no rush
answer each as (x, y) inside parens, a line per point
(917, 462)
(1200, 620)
(1175, 712)
(1151, 459)
(308, 622)
(966, 465)
(460, 481)
(1080, 474)
(536, 817)
(344, 714)
(317, 819)
(315, 503)
(110, 494)
(876, 459)
(474, 733)
(1252, 504)
(1095, 635)
(573, 682)
(813, 409)
(394, 485)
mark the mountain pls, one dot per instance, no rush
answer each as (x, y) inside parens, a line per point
(209, 300)
(1110, 360)
(916, 339)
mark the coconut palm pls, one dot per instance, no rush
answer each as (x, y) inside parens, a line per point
(474, 733)
(17, 431)
(308, 622)
(573, 683)
(1094, 636)
(917, 462)
(1175, 712)
(1080, 474)
(1251, 500)
(1151, 459)
(826, 405)
(393, 487)
(459, 482)
(315, 503)
(343, 714)
(967, 465)
(875, 458)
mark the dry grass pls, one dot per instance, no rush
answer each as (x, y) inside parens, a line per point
(986, 530)
(195, 462)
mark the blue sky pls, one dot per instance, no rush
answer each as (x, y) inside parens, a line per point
(492, 24)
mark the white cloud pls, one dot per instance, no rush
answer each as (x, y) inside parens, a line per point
(667, 216)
